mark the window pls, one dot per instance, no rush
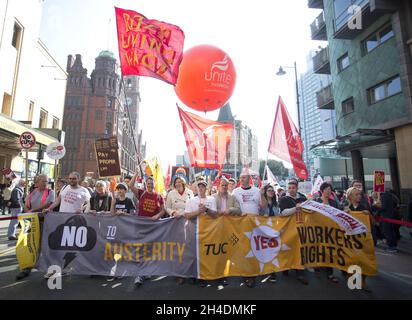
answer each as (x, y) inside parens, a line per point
(384, 90)
(348, 106)
(43, 119)
(17, 33)
(376, 39)
(343, 62)
(31, 109)
(98, 115)
(109, 103)
(56, 123)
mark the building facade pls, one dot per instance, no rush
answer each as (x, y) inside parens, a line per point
(95, 108)
(243, 147)
(317, 124)
(32, 90)
(369, 54)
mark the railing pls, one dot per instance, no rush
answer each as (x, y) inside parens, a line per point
(324, 98)
(321, 59)
(318, 24)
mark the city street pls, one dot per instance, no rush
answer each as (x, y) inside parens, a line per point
(394, 281)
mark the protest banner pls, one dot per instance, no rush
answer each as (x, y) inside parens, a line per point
(107, 155)
(9, 174)
(28, 241)
(379, 181)
(206, 248)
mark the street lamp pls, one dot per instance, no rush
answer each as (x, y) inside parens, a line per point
(282, 72)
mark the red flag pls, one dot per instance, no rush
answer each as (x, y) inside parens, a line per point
(168, 178)
(148, 47)
(207, 141)
(285, 142)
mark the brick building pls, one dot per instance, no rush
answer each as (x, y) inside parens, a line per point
(95, 108)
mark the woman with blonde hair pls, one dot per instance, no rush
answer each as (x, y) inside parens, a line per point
(177, 198)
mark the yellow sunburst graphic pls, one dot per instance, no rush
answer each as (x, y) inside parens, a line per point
(266, 244)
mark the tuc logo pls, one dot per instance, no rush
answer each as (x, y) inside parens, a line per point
(265, 244)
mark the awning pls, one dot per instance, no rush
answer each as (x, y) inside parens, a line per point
(11, 129)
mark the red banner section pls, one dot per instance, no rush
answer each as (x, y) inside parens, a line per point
(207, 141)
(148, 47)
(285, 142)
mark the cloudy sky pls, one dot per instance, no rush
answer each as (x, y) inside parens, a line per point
(258, 35)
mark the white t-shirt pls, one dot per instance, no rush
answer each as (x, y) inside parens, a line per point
(72, 199)
(192, 205)
(249, 199)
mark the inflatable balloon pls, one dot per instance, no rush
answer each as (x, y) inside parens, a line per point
(206, 79)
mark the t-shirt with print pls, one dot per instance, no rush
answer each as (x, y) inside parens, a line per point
(192, 205)
(72, 199)
(125, 206)
(149, 203)
(248, 198)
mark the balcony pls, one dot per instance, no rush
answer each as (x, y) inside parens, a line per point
(346, 25)
(325, 99)
(318, 28)
(315, 4)
(321, 64)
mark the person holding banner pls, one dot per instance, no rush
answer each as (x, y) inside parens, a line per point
(271, 210)
(41, 197)
(291, 204)
(120, 204)
(251, 200)
(201, 204)
(100, 200)
(178, 197)
(226, 204)
(325, 198)
(151, 204)
(72, 198)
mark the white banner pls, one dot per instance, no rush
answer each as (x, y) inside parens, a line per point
(347, 222)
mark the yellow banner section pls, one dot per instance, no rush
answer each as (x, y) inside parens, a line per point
(255, 245)
(28, 243)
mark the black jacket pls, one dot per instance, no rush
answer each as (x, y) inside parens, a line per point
(287, 202)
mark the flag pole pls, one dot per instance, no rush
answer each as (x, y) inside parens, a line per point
(266, 165)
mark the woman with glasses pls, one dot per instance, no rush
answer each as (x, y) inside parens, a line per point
(271, 210)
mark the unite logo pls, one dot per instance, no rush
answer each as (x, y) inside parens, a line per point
(265, 244)
(218, 74)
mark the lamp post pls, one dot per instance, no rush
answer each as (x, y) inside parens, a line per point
(282, 72)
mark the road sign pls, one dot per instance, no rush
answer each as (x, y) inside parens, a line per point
(27, 140)
(55, 151)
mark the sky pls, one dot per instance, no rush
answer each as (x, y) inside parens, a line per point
(258, 35)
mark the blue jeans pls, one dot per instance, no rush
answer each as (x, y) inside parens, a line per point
(13, 223)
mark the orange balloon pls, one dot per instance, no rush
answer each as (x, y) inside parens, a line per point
(206, 79)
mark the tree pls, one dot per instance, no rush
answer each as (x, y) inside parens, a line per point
(276, 167)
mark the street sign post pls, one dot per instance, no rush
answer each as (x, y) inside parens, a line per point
(27, 141)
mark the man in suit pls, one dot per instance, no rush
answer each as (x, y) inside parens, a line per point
(226, 203)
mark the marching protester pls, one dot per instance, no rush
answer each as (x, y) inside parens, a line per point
(251, 200)
(16, 207)
(151, 204)
(86, 184)
(129, 193)
(364, 197)
(41, 197)
(120, 204)
(291, 204)
(325, 198)
(73, 197)
(354, 203)
(100, 201)
(280, 192)
(232, 185)
(271, 210)
(226, 204)
(177, 198)
(201, 204)
(6, 198)
(60, 185)
(388, 209)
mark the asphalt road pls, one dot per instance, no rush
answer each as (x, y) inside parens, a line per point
(394, 281)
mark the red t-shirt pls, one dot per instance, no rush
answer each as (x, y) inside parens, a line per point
(149, 203)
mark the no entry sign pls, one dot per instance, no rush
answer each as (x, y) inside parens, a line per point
(27, 140)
